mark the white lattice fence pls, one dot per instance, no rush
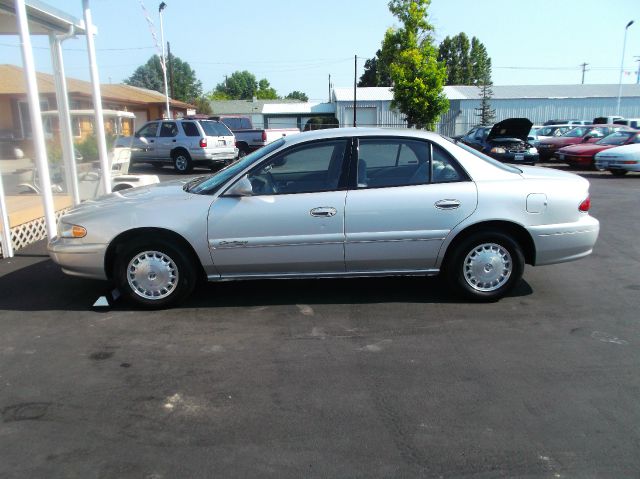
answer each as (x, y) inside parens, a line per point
(30, 232)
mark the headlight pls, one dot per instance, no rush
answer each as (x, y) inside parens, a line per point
(533, 151)
(71, 231)
(499, 150)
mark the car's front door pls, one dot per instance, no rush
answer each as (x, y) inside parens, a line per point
(292, 224)
(410, 194)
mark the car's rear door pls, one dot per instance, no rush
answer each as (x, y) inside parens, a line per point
(293, 224)
(410, 194)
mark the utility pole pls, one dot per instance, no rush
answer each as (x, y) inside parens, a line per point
(355, 75)
(329, 87)
(584, 69)
(164, 61)
(170, 70)
(638, 72)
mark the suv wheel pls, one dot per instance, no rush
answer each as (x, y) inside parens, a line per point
(182, 162)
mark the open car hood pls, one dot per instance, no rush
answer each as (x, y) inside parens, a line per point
(511, 128)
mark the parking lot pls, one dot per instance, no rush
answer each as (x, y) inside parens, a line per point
(387, 377)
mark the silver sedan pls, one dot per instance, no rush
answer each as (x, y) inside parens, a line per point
(334, 203)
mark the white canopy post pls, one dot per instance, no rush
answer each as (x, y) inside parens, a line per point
(62, 98)
(7, 246)
(97, 100)
(36, 119)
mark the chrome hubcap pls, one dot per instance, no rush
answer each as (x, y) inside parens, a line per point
(152, 275)
(181, 163)
(487, 267)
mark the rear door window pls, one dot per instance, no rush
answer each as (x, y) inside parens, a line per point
(168, 129)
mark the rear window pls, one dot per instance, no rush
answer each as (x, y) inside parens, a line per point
(213, 128)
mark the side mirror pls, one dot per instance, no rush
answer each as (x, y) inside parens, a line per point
(242, 187)
(587, 138)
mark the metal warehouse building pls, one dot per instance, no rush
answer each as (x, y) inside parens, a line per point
(539, 103)
(373, 107)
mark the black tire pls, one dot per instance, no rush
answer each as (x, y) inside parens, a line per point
(499, 264)
(121, 186)
(618, 172)
(242, 152)
(182, 162)
(174, 274)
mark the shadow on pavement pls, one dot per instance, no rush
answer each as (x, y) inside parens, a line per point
(32, 282)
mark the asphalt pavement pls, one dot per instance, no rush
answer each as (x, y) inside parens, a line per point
(366, 378)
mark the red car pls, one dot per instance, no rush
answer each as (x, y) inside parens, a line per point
(582, 134)
(583, 154)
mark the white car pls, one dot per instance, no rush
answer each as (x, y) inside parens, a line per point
(334, 203)
(619, 160)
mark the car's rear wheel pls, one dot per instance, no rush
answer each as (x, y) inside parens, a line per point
(485, 266)
(182, 162)
(154, 273)
(618, 172)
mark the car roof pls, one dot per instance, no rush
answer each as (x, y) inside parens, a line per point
(360, 132)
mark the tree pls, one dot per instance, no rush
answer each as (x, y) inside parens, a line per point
(376, 71)
(240, 85)
(265, 92)
(467, 62)
(418, 78)
(297, 95)
(186, 86)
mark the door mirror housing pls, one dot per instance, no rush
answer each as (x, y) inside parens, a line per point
(587, 138)
(242, 187)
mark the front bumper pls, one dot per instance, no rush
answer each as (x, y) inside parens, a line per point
(565, 242)
(516, 158)
(76, 259)
(617, 164)
(574, 160)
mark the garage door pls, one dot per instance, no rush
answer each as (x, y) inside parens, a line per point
(365, 116)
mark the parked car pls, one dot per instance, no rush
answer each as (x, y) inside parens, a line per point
(602, 120)
(630, 122)
(184, 143)
(334, 203)
(248, 138)
(532, 136)
(558, 122)
(619, 160)
(505, 141)
(553, 131)
(548, 147)
(582, 155)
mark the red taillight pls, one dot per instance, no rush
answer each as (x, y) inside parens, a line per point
(585, 205)
(203, 142)
(264, 135)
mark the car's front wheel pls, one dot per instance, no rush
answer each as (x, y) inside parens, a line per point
(154, 273)
(485, 266)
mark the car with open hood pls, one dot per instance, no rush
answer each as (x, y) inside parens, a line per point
(506, 141)
(583, 154)
(346, 202)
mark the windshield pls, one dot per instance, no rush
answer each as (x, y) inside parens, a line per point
(577, 132)
(482, 156)
(210, 184)
(617, 138)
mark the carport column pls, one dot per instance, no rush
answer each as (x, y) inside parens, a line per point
(97, 100)
(36, 119)
(64, 117)
(7, 247)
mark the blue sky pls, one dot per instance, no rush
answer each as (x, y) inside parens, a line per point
(296, 45)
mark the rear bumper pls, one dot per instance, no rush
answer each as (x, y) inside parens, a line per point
(565, 242)
(84, 260)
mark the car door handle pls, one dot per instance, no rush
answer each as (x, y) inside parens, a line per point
(323, 211)
(447, 204)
